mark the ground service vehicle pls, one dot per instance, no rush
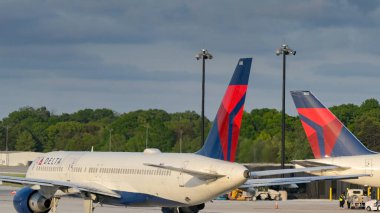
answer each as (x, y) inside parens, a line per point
(238, 194)
(372, 205)
(356, 198)
(269, 194)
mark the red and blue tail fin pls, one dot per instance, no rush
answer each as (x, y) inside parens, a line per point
(327, 136)
(221, 142)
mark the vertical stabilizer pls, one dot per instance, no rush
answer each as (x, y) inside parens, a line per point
(327, 136)
(221, 143)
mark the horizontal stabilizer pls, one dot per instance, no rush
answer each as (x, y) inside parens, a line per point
(198, 174)
(294, 180)
(289, 171)
(310, 163)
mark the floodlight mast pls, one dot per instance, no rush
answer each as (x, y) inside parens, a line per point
(204, 54)
(284, 51)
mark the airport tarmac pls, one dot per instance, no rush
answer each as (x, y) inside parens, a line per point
(217, 206)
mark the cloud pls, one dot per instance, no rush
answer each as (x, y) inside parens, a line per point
(349, 70)
(115, 51)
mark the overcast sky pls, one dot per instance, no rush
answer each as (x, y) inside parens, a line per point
(129, 55)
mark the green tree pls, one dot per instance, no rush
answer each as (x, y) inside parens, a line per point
(25, 142)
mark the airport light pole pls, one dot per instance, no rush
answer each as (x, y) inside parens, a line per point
(146, 136)
(6, 145)
(110, 142)
(284, 51)
(204, 54)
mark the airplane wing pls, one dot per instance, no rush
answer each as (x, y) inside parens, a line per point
(198, 174)
(294, 180)
(288, 171)
(310, 164)
(80, 187)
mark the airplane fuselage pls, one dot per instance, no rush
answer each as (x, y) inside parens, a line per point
(360, 164)
(139, 184)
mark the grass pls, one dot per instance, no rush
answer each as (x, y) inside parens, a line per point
(13, 184)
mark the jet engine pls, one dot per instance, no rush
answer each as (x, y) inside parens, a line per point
(187, 209)
(28, 200)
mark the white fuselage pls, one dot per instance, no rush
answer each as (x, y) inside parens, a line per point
(126, 173)
(361, 164)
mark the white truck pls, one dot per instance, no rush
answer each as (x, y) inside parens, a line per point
(372, 205)
(268, 194)
(356, 198)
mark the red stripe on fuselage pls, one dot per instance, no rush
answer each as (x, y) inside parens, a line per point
(235, 133)
(222, 118)
(331, 132)
(320, 116)
(231, 98)
(312, 136)
(233, 95)
(331, 127)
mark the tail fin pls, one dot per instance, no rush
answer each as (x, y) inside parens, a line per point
(221, 142)
(327, 136)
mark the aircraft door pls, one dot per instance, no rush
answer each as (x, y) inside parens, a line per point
(181, 180)
(70, 165)
(368, 167)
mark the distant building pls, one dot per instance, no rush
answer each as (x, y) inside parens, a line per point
(17, 158)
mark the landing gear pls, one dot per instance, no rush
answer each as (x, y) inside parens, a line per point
(88, 202)
(88, 205)
(54, 204)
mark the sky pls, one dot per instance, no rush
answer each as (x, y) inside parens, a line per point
(130, 55)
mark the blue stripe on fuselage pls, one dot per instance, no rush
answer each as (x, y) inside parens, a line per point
(319, 130)
(141, 199)
(232, 116)
(212, 147)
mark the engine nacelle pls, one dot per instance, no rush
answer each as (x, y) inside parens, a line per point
(28, 200)
(192, 209)
(187, 209)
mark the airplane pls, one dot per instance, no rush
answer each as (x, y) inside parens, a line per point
(176, 182)
(333, 144)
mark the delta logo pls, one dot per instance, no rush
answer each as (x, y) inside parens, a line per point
(49, 161)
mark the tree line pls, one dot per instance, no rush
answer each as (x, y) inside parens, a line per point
(38, 129)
